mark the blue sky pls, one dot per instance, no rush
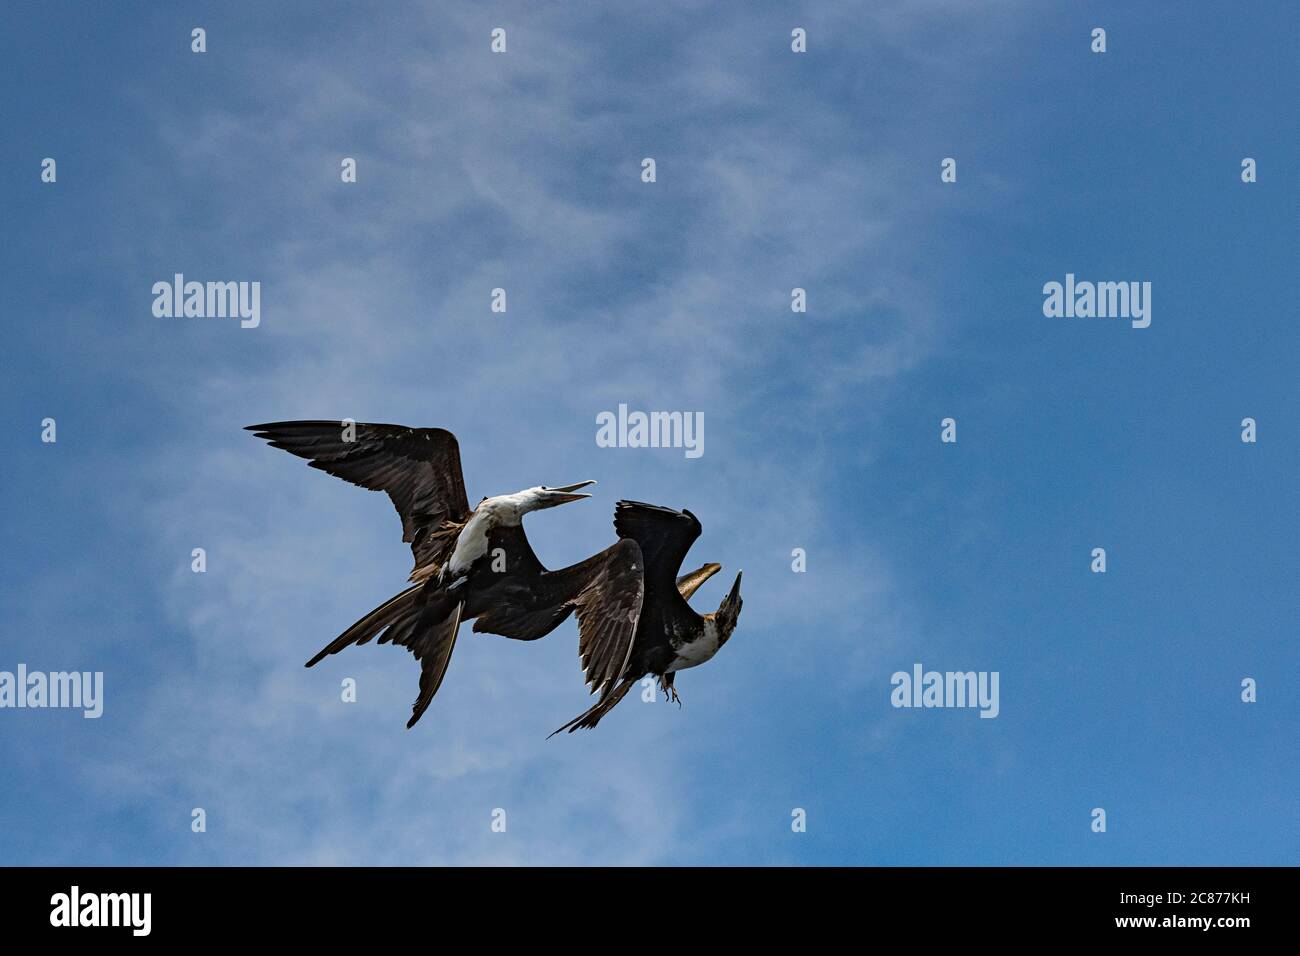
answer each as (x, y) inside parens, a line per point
(775, 170)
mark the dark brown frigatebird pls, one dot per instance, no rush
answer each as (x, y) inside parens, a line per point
(468, 563)
(670, 636)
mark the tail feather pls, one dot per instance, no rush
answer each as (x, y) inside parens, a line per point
(591, 717)
(434, 649)
(374, 622)
(425, 626)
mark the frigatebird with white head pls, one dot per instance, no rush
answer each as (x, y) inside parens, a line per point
(469, 563)
(670, 636)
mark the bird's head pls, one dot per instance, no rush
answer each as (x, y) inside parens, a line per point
(728, 612)
(535, 499)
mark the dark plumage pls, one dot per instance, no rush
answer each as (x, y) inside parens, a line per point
(468, 563)
(670, 636)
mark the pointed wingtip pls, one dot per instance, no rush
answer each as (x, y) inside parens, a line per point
(278, 426)
(571, 726)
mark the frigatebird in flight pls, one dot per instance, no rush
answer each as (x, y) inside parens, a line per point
(469, 563)
(670, 636)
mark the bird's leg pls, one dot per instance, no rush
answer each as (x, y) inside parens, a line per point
(670, 692)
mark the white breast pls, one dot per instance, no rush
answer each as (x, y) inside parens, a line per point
(697, 651)
(472, 543)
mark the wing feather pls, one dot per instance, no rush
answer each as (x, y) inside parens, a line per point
(418, 468)
(664, 536)
(609, 609)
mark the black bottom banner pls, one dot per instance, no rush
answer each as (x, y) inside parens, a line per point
(341, 904)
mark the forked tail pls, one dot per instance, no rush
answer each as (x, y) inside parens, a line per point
(425, 626)
(392, 611)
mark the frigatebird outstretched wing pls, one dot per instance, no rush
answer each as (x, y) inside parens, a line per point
(418, 468)
(664, 535)
(606, 590)
(609, 607)
(606, 651)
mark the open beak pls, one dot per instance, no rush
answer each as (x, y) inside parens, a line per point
(564, 494)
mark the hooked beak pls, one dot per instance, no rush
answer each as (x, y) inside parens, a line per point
(563, 495)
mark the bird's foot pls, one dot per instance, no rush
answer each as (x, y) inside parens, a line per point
(672, 696)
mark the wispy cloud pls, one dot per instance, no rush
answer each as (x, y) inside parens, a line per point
(518, 171)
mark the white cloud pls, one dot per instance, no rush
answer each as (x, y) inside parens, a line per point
(517, 171)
